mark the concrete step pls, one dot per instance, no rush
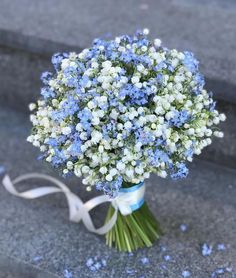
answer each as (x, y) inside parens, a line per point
(15, 268)
(45, 27)
(223, 151)
(39, 233)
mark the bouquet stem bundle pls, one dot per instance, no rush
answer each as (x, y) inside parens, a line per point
(136, 230)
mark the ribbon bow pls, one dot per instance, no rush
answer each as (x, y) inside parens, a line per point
(127, 201)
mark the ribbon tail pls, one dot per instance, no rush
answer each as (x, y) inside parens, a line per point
(77, 209)
(29, 194)
(89, 205)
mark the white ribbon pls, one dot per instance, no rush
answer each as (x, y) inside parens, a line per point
(128, 200)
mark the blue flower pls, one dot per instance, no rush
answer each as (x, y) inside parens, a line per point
(183, 227)
(2, 170)
(84, 81)
(75, 147)
(94, 264)
(189, 152)
(69, 107)
(145, 260)
(71, 76)
(160, 66)
(89, 262)
(212, 106)
(136, 95)
(37, 259)
(190, 62)
(186, 274)
(57, 59)
(110, 188)
(167, 258)
(67, 274)
(85, 119)
(46, 77)
(199, 79)
(179, 172)
(159, 78)
(47, 92)
(171, 68)
(144, 137)
(206, 250)
(52, 142)
(221, 247)
(157, 156)
(59, 158)
(180, 118)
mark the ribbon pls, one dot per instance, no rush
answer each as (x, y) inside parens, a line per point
(127, 201)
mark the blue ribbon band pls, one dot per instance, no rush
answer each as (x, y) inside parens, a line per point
(134, 188)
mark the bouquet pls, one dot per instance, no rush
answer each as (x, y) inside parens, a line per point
(115, 113)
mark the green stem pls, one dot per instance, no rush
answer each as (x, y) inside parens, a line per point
(133, 231)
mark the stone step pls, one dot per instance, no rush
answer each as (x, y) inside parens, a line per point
(43, 28)
(15, 268)
(38, 233)
(223, 151)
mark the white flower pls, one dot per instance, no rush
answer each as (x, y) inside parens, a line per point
(138, 85)
(103, 170)
(129, 173)
(83, 136)
(219, 134)
(140, 68)
(113, 171)
(96, 136)
(91, 105)
(135, 79)
(128, 125)
(139, 170)
(145, 31)
(103, 99)
(32, 106)
(95, 65)
(95, 121)
(107, 64)
(120, 166)
(105, 85)
(222, 117)
(114, 114)
(157, 42)
(101, 149)
(146, 175)
(109, 177)
(69, 165)
(85, 169)
(66, 130)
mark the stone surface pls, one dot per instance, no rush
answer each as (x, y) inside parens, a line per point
(15, 268)
(39, 234)
(224, 151)
(20, 77)
(206, 28)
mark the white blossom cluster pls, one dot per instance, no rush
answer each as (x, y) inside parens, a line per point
(123, 109)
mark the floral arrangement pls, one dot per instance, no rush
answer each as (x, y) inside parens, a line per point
(121, 110)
